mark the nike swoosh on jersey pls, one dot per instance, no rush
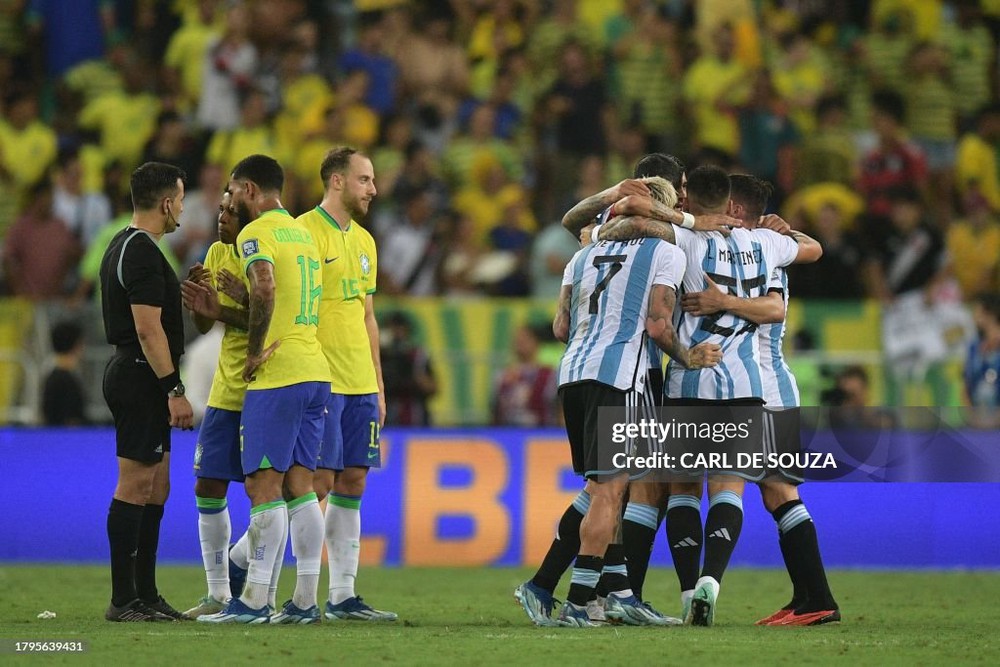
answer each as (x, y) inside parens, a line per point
(329, 261)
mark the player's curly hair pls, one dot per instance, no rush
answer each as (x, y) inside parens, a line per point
(263, 170)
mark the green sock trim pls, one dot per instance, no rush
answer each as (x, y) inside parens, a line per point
(210, 503)
(273, 505)
(301, 500)
(347, 502)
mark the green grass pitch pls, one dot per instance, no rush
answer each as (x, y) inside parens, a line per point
(468, 617)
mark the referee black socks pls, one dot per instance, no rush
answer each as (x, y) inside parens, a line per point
(145, 557)
(124, 520)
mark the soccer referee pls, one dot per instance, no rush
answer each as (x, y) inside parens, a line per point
(141, 303)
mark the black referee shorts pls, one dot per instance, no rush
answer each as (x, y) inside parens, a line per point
(139, 407)
(581, 402)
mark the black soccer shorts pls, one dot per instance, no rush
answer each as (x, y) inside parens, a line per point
(139, 408)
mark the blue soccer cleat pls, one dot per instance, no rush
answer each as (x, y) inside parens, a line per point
(572, 616)
(355, 609)
(237, 612)
(632, 611)
(537, 603)
(289, 614)
(666, 620)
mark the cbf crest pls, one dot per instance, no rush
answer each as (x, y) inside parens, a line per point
(366, 264)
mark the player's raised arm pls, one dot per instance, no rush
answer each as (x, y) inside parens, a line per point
(648, 207)
(198, 275)
(203, 302)
(766, 309)
(809, 249)
(584, 212)
(628, 227)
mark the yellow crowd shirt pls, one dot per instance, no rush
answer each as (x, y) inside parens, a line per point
(26, 154)
(277, 238)
(349, 270)
(708, 83)
(126, 123)
(228, 387)
(976, 167)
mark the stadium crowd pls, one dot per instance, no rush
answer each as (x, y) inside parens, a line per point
(877, 123)
(487, 119)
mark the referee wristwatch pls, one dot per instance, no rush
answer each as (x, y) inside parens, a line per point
(177, 392)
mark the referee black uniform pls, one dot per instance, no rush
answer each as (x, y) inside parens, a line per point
(135, 272)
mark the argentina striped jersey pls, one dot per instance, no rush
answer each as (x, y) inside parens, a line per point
(780, 389)
(740, 264)
(611, 282)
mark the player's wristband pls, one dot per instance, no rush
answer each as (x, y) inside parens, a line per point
(688, 221)
(595, 234)
(168, 382)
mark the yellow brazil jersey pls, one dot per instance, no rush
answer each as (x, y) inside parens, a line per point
(126, 123)
(228, 387)
(278, 238)
(349, 269)
(26, 154)
(708, 83)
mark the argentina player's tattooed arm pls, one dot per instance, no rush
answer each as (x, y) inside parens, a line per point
(628, 227)
(659, 326)
(585, 211)
(648, 207)
(767, 309)
(560, 325)
(810, 249)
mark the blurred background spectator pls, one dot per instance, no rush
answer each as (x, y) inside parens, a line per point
(850, 402)
(524, 393)
(982, 365)
(63, 397)
(407, 374)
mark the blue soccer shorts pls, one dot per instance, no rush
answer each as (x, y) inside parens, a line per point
(217, 455)
(283, 427)
(351, 436)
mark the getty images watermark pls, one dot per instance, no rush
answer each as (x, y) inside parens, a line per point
(669, 454)
(676, 443)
